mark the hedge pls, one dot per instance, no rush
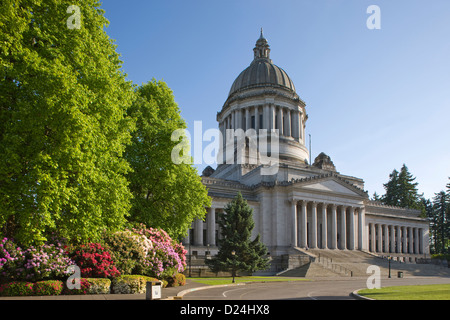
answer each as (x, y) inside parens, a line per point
(40, 288)
(177, 280)
(126, 284)
(130, 284)
(90, 286)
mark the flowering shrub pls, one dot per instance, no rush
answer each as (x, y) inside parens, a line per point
(94, 261)
(131, 284)
(48, 288)
(177, 280)
(16, 288)
(166, 257)
(40, 288)
(48, 261)
(129, 250)
(11, 260)
(32, 264)
(90, 286)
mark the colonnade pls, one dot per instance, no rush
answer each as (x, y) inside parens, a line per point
(204, 236)
(387, 238)
(326, 225)
(268, 116)
(323, 225)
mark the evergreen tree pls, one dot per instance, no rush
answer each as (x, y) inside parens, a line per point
(391, 197)
(433, 222)
(441, 211)
(376, 197)
(236, 225)
(401, 190)
(63, 126)
(166, 195)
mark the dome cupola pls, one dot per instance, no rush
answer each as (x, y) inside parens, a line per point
(262, 71)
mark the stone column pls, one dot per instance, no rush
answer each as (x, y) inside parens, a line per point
(399, 239)
(248, 119)
(211, 227)
(410, 240)
(372, 237)
(198, 232)
(186, 240)
(233, 120)
(352, 229)
(343, 229)
(324, 226)
(361, 219)
(380, 239)
(256, 115)
(416, 240)
(266, 117)
(313, 225)
(294, 223)
(289, 129)
(303, 222)
(333, 227)
(272, 117)
(392, 238)
(295, 126)
(421, 242)
(280, 121)
(404, 245)
(386, 239)
(300, 130)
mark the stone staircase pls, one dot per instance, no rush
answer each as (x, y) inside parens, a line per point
(346, 263)
(328, 263)
(359, 261)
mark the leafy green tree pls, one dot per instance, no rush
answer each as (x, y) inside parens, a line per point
(166, 195)
(236, 225)
(63, 124)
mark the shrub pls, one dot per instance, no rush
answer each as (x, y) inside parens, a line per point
(48, 288)
(176, 280)
(129, 251)
(16, 288)
(127, 284)
(94, 261)
(166, 257)
(84, 288)
(11, 260)
(48, 261)
(90, 286)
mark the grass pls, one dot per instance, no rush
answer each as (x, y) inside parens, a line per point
(228, 280)
(422, 292)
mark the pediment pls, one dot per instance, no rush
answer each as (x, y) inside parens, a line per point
(331, 185)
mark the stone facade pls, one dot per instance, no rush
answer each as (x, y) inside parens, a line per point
(300, 205)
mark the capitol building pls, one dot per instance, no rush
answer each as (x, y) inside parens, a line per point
(298, 206)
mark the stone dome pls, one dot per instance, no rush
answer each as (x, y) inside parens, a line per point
(262, 71)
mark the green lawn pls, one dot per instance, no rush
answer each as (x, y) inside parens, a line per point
(423, 292)
(227, 280)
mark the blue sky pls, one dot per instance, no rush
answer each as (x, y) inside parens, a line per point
(375, 98)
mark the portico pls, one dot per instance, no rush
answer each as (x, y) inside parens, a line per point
(327, 225)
